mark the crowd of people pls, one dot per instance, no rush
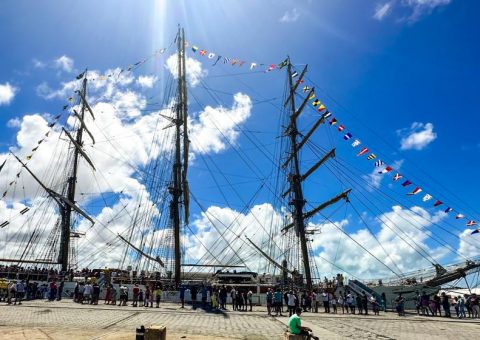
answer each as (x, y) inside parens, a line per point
(241, 299)
(462, 304)
(89, 293)
(279, 302)
(14, 289)
(18, 290)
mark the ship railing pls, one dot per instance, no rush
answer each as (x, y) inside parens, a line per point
(404, 280)
(417, 276)
(21, 275)
(17, 275)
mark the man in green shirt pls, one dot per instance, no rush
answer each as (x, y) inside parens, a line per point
(295, 325)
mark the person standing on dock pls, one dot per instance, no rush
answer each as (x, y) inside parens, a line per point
(400, 302)
(384, 302)
(277, 301)
(333, 302)
(95, 293)
(19, 292)
(365, 302)
(314, 302)
(147, 296)
(461, 307)
(182, 296)
(446, 305)
(326, 302)
(52, 291)
(292, 299)
(233, 296)
(81, 290)
(214, 299)
(60, 290)
(193, 294)
(113, 295)
(437, 300)
(269, 301)
(158, 296)
(108, 295)
(204, 296)
(123, 295)
(349, 301)
(341, 302)
(135, 292)
(359, 302)
(87, 293)
(474, 304)
(223, 298)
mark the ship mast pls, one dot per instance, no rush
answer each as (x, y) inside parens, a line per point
(295, 178)
(66, 204)
(298, 201)
(179, 188)
(66, 209)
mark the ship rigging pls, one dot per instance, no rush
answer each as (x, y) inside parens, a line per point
(155, 226)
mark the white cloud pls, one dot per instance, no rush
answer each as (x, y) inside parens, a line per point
(146, 81)
(375, 178)
(45, 91)
(417, 137)
(106, 87)
(382, 10)
(331, 245)
(394, 252)
(423, 7)
(215, 127)
(64, 63)
(222, 231)
(195, 73)
(38, 63)
(290, 16)
(128, 103)
(469, 244)
(14, 123)
(408, 10)
(126, 141)
(7, 93)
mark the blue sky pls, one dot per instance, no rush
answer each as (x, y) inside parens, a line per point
(381, 67)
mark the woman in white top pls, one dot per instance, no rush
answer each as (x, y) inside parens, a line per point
(333, 302)
(341, 303)
(291, 303)
(350, 303)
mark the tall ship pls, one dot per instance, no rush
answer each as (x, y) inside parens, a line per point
(165, 200)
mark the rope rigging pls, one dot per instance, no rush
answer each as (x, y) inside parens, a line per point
(144, 221)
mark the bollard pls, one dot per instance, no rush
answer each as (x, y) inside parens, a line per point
(140, 334)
